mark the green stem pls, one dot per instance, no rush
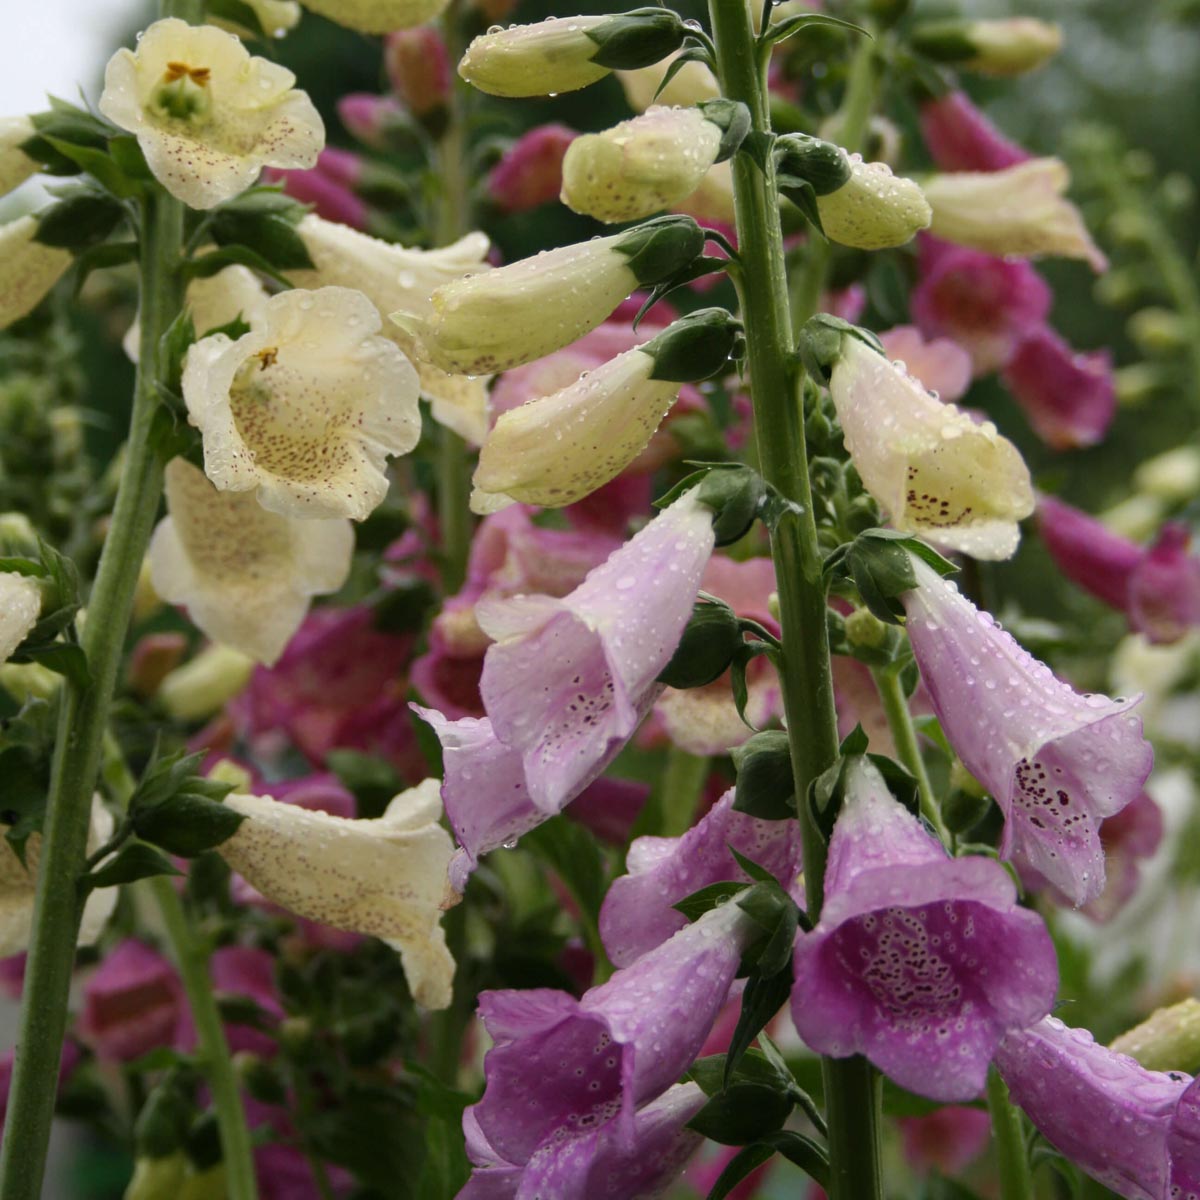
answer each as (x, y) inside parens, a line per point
(682, 783)
(1016, 1180)
(83, 718)
(192, 957)
(904, 734)
(852, 1088)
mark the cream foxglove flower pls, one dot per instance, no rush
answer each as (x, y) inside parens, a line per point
(1004, 47)
(551, 56)
(275, 17)
(1020, 210)
(245, 574)
(384, 877)
(202, 687)
(713, 199)
(18, 882)
(936, 471)
(305, 408)
(392, 278)
(20, 606)
(377, 16)
(28, 270)
(207, 115)
(15, 165)
(691, 84)
(639, 167)
(873, 209)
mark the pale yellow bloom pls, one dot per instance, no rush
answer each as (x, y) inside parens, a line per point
(201, 688)
(1173, 476)
(207, 115)
(641, 166)
(935, 471)
(874, 209)
(15, 165)
(20, 606)
(377, 16)
(691, 84)
(276, 17)
(713, 199)
(385, 877)
(551, 56)
(1020, 210)
(245, 574)
(305, 408)
(1011, 46)
(393, 277)
(28, 270)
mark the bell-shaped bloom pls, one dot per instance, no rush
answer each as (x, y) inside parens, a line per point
(568, 681)
(1020, 210)
(1056, 762)
(500, 319)
(1135, 1131)
(638, 912)
(561, 1066)
(20, 607)
(530, 172)
(1011, 45)
(384, 877)
(206, 683)
(986, 304)
(377, 16)
(960, 138)
(1069, 399)
(305, 408)
(18, 881)
(597, 1164)
(246, 574)
(641, 166)
(206, 114)
(691, 84)
(15, 165)
(418, 68)
(393, 277)
(920, 962)
(873, 209)
(935, 470)
(28, 269)
(941, 365)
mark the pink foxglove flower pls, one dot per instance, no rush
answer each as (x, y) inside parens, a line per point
(331, 199)
(1133, 1130)
(920, 962)
(371, 119)
(248, 973)
(1057, 763)
(418, 68)
(942, 365)
(960, 138)
(530, 173)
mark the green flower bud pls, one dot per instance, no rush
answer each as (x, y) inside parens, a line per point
(1168, 1040)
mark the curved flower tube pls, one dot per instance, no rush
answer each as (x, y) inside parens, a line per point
(28, 269)
(15, 165)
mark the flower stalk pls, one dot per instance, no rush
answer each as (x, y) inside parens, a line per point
(852, 1087)
(1016, 1182)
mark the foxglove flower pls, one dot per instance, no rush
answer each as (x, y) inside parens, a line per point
(15, 165)
(638, 912)
(372, 119)
(20, 607)
(202, 686)
(1069, 399)
(873, 209)
(1020, 210)
(246, 574)
(1128, 838)
(693, 83)
(1009, 46)
(330, 199)
(1057, 763)
(561, 1066)
(589, 1166)
(530, 173)
(207, 115)
(28, 269)
(1135, 1131)
(377, 16)
(418, 69)
(305, 408)
(934, 469)
(641, 166)
(568, 681)
(960, 138)
(384, 877)
(490, 322)
(941, 365)
(920, 962)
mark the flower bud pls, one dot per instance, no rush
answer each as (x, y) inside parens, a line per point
(1168, 1040)
(373, 120)
(377, 16)
(639, 167)
(1158, 331)
(873, 209)
(1173, 476)
(29, 681)
(530, 173)
(691, 84)
(200, 688)
(15, 165)
(418, 69)
(864, 630)
(275, 18)
(17, 534)
(563, 54)
(1002, 47)
(153, 658)
(28, 270)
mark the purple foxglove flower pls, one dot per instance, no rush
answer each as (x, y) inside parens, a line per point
(1057, 763)
(530, 173)
(370, 118)
(1164, 589)
(1069, 399)
(960, 138)
(597, 1165)
(330, 199)
(1087, 552)
(920, 962)
(638, 915)
(561, 1066)
(1135, 1131)
(1132, 835)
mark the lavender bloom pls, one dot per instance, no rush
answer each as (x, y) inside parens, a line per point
(638, 915)
(1056, 762)
(920, 962)
(1135, 1131)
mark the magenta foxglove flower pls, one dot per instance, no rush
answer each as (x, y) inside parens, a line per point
(1164, 589)
(530, 173)
(1069, 399)
(371, 119)
(920, 962)
(1057, 763)
(561, 1066)
(638, 915)
(1135, 1131)
(960, 138)
(596, 1165)
(330, 198)
(246, 971)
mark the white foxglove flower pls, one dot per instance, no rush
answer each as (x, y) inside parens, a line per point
(385, 877)
(28, 270)
(305, 408)
(873, 209)
(206, 114)
(15, 165)
(378, 16)
(245, 574)
(20, 606)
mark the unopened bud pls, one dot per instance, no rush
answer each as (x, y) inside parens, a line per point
(377, 121)
(28, 681)
(1173, 476)
(695, 346)
(1011, 46)
(200, 688)
(1168, 1040)
(530, 173)
(866, 631)
(1158, 331)
(1135, 517)
(157, 1178)
(153, 658)
(225, 770)
(418, 69)
(17, 535)
(1135, 384)
(873, 209)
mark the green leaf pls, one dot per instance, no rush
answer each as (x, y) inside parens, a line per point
(239, 13)
(765, 783)
(575, 856)
(133, 862)
(97, 258)
(742, 1113)
(761, 1000)
(217, 260)
(738, 1168)
(266, 222)
(99, 164)
(63, 658)
(187, 824)
(792, 25)
(802, 1151)
(82, 219)
(708, 898)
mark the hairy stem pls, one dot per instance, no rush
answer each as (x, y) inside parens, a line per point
(1016, 1181)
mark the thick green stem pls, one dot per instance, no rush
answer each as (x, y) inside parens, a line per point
(192, 958)
(851, 1087)
(682, 784)
(1016, 1181)
(904, 734)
